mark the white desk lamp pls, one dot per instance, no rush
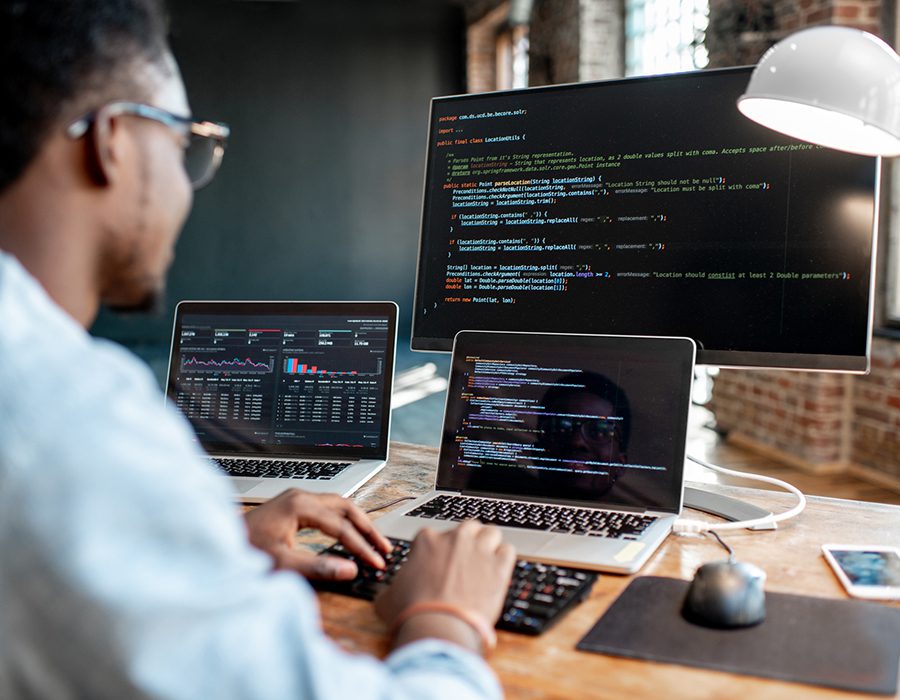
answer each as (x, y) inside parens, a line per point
(833, 86)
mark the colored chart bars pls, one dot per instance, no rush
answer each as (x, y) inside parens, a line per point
(294, 366)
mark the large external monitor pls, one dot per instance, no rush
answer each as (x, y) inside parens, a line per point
(645, 206)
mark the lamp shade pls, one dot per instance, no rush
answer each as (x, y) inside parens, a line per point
(834, 86)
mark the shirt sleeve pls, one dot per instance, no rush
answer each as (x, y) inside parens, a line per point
(127, 571)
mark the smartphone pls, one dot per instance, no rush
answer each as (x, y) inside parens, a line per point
(866, 571)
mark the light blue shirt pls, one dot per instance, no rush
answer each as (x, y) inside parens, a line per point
(125, 570)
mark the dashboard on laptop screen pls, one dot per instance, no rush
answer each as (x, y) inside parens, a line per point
(285, 382)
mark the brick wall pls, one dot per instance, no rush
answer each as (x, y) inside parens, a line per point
(816, 421)
(740, 31)
(799, 416)
(875, 442)
(862, 14)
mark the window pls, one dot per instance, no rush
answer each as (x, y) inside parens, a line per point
(512, 57)
(497, 48)
(665, 36)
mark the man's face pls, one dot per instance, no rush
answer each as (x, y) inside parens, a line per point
(590, 438)
(155, 198)
(583, 436)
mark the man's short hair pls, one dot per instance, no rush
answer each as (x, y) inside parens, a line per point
(596, 385)
(58, 55)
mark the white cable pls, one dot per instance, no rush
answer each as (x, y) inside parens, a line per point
(683, 525)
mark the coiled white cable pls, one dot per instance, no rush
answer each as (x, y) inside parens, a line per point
(686, 525)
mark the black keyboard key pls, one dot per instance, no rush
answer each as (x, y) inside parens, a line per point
(538, 595)
(280, 469)
(535, 516)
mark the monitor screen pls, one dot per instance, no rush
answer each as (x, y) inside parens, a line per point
(645, 206)
(285, 378)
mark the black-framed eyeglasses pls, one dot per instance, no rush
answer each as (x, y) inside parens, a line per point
(591, 429)
(204, 142)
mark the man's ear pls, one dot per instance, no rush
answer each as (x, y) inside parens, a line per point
(103, 149)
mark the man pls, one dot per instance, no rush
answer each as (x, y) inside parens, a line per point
(125, 569)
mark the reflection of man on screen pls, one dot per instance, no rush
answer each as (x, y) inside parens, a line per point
(585, 425)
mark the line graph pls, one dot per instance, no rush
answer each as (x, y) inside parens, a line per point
(209, 364)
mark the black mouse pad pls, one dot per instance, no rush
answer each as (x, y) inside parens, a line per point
(845, 644)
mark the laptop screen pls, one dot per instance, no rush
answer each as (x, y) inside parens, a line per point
(591, 420)
(285, 378)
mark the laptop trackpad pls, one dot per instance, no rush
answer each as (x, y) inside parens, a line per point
(243, 485)
(593, 549)
(526, 541)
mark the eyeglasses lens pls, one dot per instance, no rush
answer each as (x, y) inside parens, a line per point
(201, 159)
(596, 430)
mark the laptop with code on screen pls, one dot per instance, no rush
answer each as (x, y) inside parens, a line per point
(573, 445)
(287, 394)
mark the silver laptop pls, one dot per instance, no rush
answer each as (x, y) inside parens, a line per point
(572, 444)
(287, 394)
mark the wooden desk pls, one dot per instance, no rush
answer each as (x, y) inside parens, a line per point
(550, 667)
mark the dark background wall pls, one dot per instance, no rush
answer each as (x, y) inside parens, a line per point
(319, 195)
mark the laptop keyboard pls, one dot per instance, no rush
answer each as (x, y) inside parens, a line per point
(281, 469)
(536, 516)
(538, 596)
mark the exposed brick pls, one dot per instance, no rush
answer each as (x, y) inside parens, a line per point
(871, 394)
(871, 27)
(817, 16)
(880, 362)
(847, 12)
(879, 416)
(814, 406)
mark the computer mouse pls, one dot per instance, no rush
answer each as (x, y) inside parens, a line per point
(725, 595)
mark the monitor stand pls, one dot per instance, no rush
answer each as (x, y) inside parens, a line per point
(724, 506)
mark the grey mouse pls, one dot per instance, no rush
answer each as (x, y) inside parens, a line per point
(726, 594)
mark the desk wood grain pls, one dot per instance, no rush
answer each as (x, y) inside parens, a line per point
(550, 667)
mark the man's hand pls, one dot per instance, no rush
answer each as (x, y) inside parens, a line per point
(469, 567)
(273, 525)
